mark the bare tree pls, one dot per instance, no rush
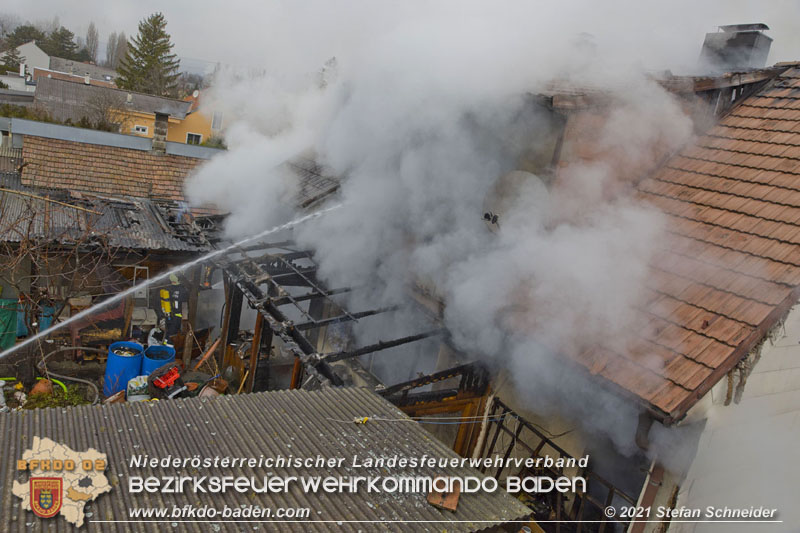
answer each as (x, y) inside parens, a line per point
(122, 49)
(116, 48)
(46, 264)
(49, 26)
(92, 41)
(103, 111)
(8, 22)
(111, 50)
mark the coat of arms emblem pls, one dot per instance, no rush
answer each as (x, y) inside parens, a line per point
(46, 496)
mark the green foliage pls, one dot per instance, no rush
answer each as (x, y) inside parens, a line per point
(215, 142)
(82, 55)
(12, 60)
(75, 395)
(60, 43)
(29, 113)
(149, 65)
(100, 125)
(3, 85)
(23, 34)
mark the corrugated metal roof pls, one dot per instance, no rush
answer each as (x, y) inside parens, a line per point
(80, 68)
(280, 423)
(126, 222)
(731, 268)
(70, 100)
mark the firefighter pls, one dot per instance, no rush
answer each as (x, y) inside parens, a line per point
(172, 299)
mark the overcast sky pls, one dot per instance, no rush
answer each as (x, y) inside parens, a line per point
(304, 33)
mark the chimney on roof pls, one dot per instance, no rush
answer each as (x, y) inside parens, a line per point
(160, 133)
(736, 47)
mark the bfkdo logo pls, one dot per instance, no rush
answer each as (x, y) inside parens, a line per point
(47, 494)
(55, 480)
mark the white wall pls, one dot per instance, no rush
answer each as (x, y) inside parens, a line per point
(34, 56)
(748, 451)
(16, 83)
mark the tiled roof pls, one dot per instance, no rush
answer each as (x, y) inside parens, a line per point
(55, 163)
(298, 423)
(732, 267)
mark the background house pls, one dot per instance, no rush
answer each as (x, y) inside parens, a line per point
(121, 111)
(34, 56)
(82, 69)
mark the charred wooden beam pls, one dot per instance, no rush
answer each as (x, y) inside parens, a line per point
(310, 296)
(380, 345)
(235, 317)
(281, 326)
(427, 380)
(343, 318)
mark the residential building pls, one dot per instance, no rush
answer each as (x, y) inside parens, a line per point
(126, 111)
(17, 82)
(48, 73)
(82, 69)
(34, 56)
(63, 157)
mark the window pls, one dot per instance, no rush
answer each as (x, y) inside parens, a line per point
(216, 121)
(140, 130)
(194, 138)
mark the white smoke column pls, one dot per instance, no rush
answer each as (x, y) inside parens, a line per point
(422, 119)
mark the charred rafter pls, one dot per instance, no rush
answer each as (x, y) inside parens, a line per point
(380, 345)
(263, 274)
(474, 377)
(343, 318)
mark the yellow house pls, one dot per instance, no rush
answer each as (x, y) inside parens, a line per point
(133, 113)
(189, 126)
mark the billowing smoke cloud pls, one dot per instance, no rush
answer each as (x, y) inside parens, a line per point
(422, 119)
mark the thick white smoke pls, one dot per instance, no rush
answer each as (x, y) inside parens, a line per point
(422, 119)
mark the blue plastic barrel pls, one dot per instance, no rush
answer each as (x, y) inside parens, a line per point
(156, 356)
(121, 368)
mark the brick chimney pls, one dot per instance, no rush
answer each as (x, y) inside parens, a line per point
(160, 133)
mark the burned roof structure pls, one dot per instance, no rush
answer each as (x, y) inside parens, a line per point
(273, 275)
(298, 423)
(120, 221)
(731, 274)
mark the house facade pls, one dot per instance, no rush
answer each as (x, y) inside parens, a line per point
(34, 56)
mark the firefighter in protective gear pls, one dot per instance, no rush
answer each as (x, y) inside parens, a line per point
(172, 299)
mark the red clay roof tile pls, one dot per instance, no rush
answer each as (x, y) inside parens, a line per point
(732, 201)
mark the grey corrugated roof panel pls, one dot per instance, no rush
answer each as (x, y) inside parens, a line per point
(298, 423)
(72, 100)
(80, 68)
(192, 150)
(81, 135)
(128, 223)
